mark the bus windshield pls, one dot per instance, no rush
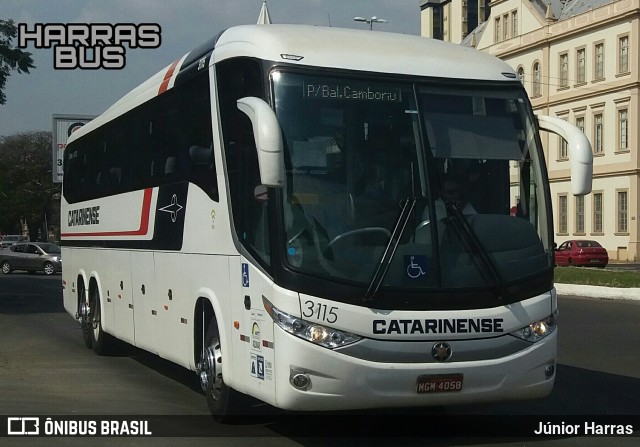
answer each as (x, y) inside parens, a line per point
(411, 185)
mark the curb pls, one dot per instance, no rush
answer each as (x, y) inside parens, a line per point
(630, 293)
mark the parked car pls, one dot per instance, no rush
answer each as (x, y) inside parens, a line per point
(10, 239)
(31, 256)
(581, 252)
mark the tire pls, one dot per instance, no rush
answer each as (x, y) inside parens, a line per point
(221, 400)
(6, 267)
(49, 269)
(84, 312)
(102, 343)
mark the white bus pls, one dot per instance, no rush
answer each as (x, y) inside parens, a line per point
(322, 218)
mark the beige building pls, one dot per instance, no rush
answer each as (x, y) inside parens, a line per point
(578, 60)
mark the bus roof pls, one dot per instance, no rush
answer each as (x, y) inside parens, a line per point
(316, 46)
(361, 50)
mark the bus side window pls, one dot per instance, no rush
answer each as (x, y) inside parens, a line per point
(196, 146)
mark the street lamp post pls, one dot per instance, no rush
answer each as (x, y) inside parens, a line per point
(370, 21)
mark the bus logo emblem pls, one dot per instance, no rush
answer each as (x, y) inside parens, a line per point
(441, 351)
(173, 208)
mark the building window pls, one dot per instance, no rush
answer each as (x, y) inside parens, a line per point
(497, 30)
(471, 15)
(581, 56)
(580, 123)
(580, 214)
(622, 224)
(623, 130)
(505, 27)
(438, 22)
(599, 61)
(564, 70)
(483, 11)
(597, 133)
(562, 214)
(514, 23)
(597, 212)
(563, 150)
(521, 75)
(537, 80)
(623, 54)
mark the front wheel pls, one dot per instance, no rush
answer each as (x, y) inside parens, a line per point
(221, 399)
(6, 267)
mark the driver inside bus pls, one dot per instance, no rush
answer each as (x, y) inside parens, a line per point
(450, 194)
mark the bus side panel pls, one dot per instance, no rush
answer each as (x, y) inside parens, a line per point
(117, 278)
(182, 278)
(254, 360)
(69, 286)
(146, 300)
(173, 338)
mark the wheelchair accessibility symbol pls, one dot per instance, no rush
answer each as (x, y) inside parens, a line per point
(415, 266)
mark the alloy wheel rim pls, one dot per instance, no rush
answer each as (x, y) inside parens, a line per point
(209, 374)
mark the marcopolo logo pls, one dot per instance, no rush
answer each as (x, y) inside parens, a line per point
(89, 46)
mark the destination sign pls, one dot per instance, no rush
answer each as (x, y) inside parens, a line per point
(356, 91)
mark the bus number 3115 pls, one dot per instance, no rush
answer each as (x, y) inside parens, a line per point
(320, 311)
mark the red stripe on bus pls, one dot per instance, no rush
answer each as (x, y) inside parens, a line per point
(167, 77)
(142, 229)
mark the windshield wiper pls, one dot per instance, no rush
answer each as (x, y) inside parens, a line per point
(484, 261)
(390, 250)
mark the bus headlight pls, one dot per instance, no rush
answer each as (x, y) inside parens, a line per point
(313, 332)
(538, 330)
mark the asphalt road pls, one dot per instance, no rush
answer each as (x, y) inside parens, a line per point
(46, 370)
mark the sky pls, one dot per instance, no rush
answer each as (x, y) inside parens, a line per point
(33, 98)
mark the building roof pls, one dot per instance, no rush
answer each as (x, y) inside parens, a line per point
(565, 9)
(560, 10)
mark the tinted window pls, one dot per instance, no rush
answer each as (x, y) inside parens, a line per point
(588, 244)
(50, 248)
(239, 78)
(166, 140)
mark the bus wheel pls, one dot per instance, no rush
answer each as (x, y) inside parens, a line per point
(84, 316)
(220, 398)
(101, 341)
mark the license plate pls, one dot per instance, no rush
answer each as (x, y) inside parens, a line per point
(439, 383)
(595, 261)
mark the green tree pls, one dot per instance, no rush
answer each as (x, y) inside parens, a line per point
(27, 190)
(11, 58)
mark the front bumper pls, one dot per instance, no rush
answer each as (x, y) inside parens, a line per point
(341, 382)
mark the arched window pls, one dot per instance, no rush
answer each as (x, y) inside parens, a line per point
(521, 74)
(537, 79)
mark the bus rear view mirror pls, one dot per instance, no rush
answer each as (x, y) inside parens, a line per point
(580, 154)
(268, 138)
